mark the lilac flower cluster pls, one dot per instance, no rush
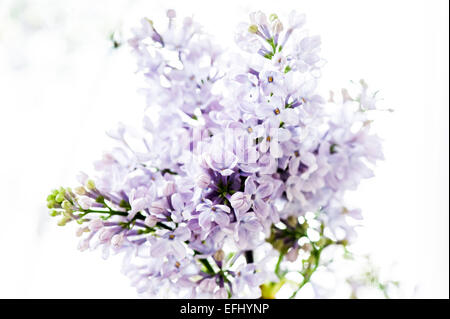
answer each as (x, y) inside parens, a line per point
(236, 151)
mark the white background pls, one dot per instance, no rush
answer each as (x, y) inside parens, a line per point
(62, 87)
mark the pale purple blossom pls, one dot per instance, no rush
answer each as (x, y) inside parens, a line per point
(210, 213)
(172, 243)
(242, 143)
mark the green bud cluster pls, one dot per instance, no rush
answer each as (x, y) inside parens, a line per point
(60, 204)
(64, 202)
(56, 197)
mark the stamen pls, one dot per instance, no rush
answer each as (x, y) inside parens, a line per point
(276, 111)
(270, 79)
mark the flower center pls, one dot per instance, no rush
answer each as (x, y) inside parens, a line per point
(270, 79)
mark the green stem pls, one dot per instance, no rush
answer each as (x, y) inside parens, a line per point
(163, 226)
(277, 267)
(309, 271)
(112, 212)
(209, 268)
(205, 262)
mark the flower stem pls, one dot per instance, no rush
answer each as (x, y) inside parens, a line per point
(208, 266)
(277, 267)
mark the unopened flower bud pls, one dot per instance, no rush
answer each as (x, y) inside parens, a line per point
(292, 221)
(67, 214)
(158, 207)
(105, 235)
(149, 21)
(63, 221)
(54, 213)
(203, 181)
(150, 221)
(273, 17)
(277, 26)
(51, 203)
(171, 14)
(307, 247)
(117, 240)
(292, 254)
(59, 198)
(80, 190)
(85, 202)
(66, 205)
(81, 230)
(95, 224)
(169, 188)
(259, 18)
(83, 245)
(90, 185)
